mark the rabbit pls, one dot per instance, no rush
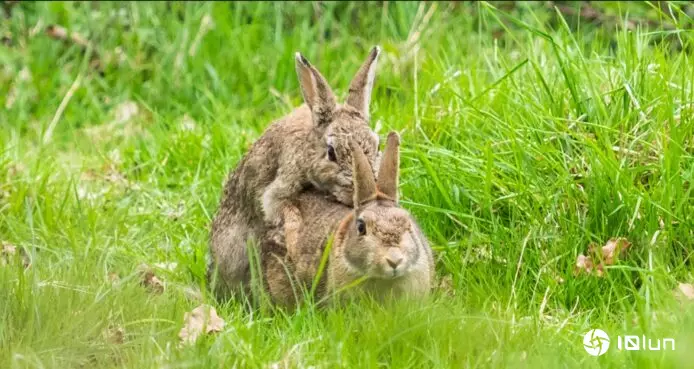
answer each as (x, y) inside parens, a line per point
(375, 240)
(308, 148)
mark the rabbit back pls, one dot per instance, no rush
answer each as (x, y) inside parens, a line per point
(239, 219)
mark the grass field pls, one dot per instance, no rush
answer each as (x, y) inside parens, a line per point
(527, 135)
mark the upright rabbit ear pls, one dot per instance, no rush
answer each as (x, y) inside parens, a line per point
(360, 88)
(362, 176)
(390, 163)
(317, 93)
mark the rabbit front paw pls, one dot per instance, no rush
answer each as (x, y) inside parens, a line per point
(271, 211)
(276, 235)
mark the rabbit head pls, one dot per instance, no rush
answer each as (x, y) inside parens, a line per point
(381, 240)
(335, 125)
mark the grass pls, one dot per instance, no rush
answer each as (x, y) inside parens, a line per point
(527, 135)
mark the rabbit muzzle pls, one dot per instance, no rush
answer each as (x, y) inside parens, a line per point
(393, 264)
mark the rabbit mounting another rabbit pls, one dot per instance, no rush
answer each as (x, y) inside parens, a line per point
(309, 148)
(375, 240)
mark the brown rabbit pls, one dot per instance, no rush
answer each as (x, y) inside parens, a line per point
(375, 240)
(309, 148)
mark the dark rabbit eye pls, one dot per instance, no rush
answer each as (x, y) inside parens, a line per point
(361, 227)
(331, 153)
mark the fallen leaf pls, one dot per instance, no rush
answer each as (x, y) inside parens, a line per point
(88, 175)
(585, 264)
(16, 169)
(115, 335)
(150, 280)
(613, 249)
(113, 278)
(202, 320)
(60, 33)
(685, 291)
(8, 252)
(126, 111)
(599, 257)
(446, 285)
(56, 31)
(8, 249)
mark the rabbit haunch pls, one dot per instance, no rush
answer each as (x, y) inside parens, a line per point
(308, 148)
(375, 240)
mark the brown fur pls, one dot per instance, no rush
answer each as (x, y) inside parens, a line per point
(290, 156)
(391, 234)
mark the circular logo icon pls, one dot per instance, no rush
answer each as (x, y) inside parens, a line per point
(596, 342)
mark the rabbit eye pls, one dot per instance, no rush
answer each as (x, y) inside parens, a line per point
(331, 153)
(361, 227)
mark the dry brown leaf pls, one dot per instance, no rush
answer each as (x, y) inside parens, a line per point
(446, 285)
(115, 335)
(56, 31)
(8, 252)
(8, 249)
(113, 278)
(154, 283)
(88, 175)
(685, 291)
(202, 320)
(613, 249)
(60, 33)
(599, 257)
(150, 280)
(586, 264)
(16, 169)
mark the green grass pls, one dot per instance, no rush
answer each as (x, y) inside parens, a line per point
(526, 136)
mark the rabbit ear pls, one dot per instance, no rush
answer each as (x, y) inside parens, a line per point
(360, 88)
(389, 168)
(362, 176)
(317, 93)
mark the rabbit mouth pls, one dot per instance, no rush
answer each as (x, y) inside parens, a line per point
(391, 274)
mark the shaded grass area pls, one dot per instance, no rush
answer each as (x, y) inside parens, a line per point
(526, 136)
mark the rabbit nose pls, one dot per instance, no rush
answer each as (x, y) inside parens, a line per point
(394, 260)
